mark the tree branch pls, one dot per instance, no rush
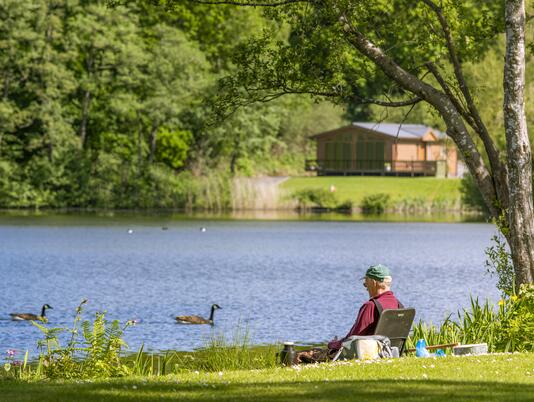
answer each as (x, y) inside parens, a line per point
(360, 100)
(251, 3)
(479, 126)
(408, 102)
(455, 124)
(446, 88)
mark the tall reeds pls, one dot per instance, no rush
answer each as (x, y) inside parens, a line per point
(505, 328)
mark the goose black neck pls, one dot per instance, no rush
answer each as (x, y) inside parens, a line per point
(212, 313)
(43, 310)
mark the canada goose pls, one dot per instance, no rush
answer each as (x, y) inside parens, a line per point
(195, 319)
(29, 316)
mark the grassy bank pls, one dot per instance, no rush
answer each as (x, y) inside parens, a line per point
(404, 193)
(482, 378)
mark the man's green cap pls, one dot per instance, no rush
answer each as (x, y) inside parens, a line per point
(377, 272)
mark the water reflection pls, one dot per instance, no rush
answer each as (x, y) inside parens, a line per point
(92, 217)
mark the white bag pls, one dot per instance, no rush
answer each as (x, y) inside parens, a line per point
(365, 348)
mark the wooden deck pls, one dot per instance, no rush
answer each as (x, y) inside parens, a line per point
(371, 167)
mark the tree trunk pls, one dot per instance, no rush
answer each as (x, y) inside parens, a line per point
(235, 154)
(233, 161)
(153, 140)
(140, 147)
(520, 212)
(85, 116)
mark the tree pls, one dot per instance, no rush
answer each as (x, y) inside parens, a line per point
(413, 51)
(103, 49)
(172, 83)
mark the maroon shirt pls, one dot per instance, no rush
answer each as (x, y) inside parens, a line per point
(368, 317)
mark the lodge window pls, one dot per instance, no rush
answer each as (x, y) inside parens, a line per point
(338, 155)
(370, 155)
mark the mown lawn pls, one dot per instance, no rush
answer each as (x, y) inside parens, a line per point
(504, 377)
(354, 188)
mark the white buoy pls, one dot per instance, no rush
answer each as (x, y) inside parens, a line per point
(130, 231)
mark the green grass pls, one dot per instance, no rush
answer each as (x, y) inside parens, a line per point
(355, 188)
(500, 377)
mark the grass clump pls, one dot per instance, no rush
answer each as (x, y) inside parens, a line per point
(236, 353)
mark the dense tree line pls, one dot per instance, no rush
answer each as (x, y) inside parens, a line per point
(105, 107)
(110, 107)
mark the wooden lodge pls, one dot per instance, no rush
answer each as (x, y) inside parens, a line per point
(385, 149)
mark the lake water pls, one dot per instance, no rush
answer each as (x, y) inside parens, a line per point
(284, 280)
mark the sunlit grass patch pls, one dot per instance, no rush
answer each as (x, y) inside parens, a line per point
(477, 378)
(405, 193)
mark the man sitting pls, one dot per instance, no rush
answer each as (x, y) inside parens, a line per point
(377, 280)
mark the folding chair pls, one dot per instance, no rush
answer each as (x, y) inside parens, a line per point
(396, 325)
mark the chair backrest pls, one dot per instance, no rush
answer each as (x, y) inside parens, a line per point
(396, 325)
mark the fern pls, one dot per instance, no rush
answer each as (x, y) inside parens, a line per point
(97, 355)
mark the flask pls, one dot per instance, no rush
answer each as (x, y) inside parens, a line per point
(288, 354)
(420, 349)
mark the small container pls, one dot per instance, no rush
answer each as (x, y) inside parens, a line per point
(288, 355)
(420, 349)
(394, 352)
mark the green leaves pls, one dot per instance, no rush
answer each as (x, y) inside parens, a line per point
(172, 147)
(102, 107)
(96, 355)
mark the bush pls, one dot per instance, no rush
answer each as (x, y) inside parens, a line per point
(517, 331)
(173, 147)
(499, 262)
(375, 203)
(471, 196)
(315, 197)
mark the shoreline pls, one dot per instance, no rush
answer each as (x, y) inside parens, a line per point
(170, 215)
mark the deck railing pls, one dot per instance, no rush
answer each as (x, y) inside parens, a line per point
(385, 167)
